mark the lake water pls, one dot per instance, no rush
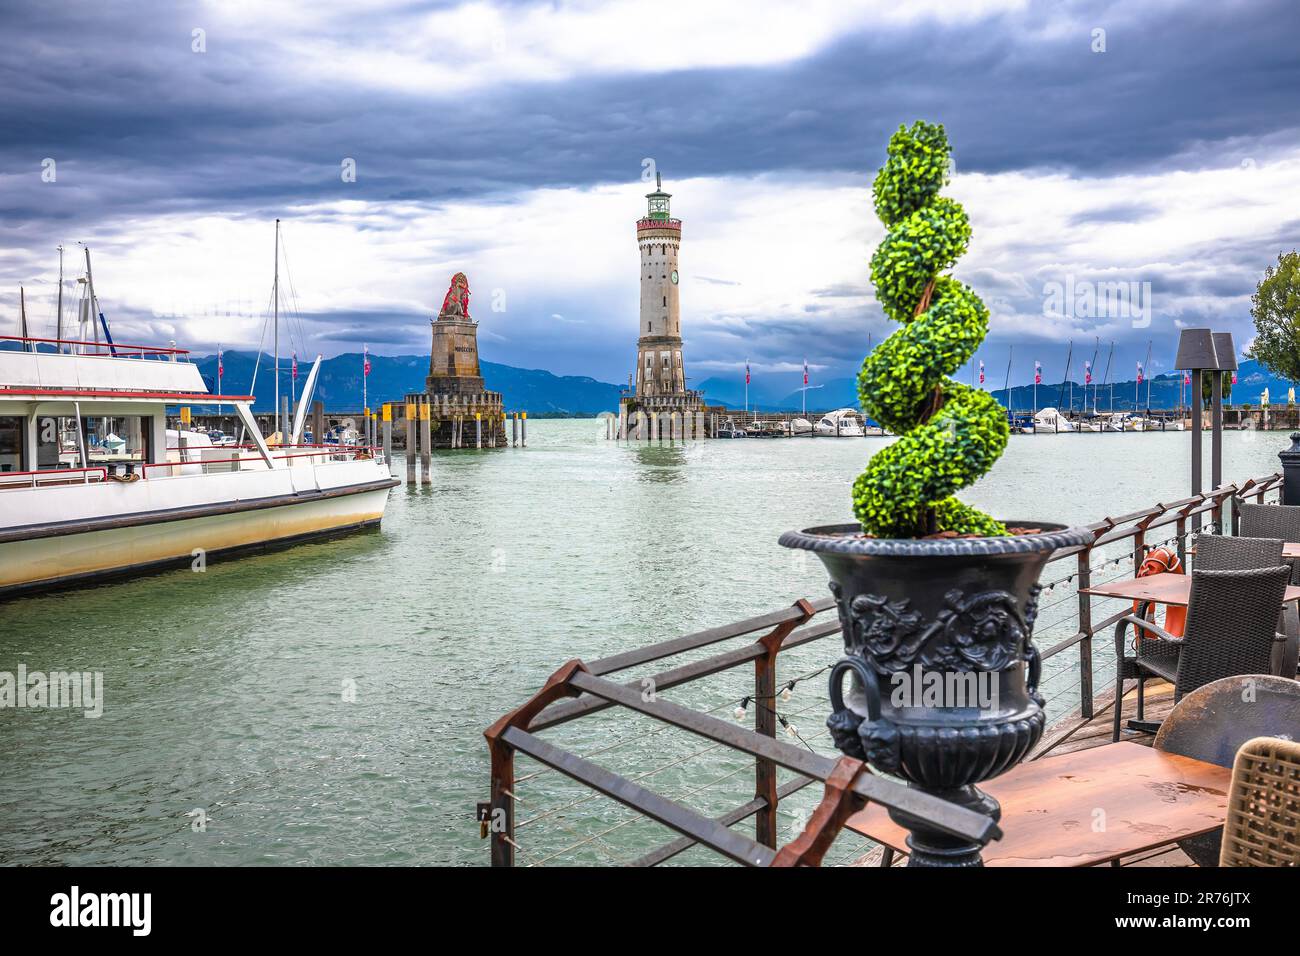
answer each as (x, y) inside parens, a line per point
(226, 692)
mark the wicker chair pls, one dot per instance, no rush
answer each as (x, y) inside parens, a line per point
(1269, 521)
(1218, 553)
(1231, 626)
(1215, 552)
(1263, 825)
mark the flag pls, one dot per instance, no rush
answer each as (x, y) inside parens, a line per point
(805, 371)
(1187, 378)
(1038, 373)
(1234, 378)
(746, 371)
(1087, 373)
(1139, 373)
(221, 368)
(365, 356)
(981, 373)
(294, 367)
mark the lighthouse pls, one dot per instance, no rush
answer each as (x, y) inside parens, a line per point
(660, 371)
(658, 398)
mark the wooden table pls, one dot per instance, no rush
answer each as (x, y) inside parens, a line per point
(1162, 588)
(1088, 807)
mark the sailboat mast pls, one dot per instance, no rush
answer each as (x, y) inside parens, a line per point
(58, 322)
(275, 298)
(1092, 371)
(1006, 383)
(1111, 388)
(92, 305)
(22, 320)
(1069, 356)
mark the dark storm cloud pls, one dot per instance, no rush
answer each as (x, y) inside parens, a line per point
(140, 125)
(139, 122)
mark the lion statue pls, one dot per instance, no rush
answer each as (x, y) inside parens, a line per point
(455, 305)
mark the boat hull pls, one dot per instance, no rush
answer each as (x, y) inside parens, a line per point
(107, 547)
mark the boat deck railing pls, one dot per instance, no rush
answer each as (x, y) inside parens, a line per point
(248, 458)
(1078, 682)
(92, 349)
(52, 476)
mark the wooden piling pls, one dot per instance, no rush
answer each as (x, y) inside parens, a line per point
(426, 446)
(410, 443)
(388, 436)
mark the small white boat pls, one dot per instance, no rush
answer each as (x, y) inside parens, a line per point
(1049, 421)
(800, 426)
(729, 429)
(841, 423)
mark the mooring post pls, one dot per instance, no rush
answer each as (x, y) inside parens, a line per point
(514, 429)
(388, 436)
(523, 429)
(426, 446)
(410, 443)
(478, 429)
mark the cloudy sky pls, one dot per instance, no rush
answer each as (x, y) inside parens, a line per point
(1155, 146)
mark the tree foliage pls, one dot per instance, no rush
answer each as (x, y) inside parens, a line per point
(949, 433)
(1275, 307)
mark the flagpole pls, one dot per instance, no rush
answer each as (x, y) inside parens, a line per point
(220, 372)
(1148, 362)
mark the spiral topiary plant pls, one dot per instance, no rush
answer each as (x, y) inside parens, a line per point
(949, 433)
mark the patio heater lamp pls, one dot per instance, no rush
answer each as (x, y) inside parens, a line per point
(1227, 353)
(1197, 354)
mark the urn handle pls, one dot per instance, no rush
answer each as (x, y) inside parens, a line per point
(870, 685)
(870, 738)
(1035, 674)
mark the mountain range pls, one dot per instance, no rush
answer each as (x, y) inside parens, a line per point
(392, 376)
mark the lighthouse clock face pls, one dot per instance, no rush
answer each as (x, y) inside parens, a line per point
(674, 277)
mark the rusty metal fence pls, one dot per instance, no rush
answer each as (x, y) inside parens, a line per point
(1078, 686)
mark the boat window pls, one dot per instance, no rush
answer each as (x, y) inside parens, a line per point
(56, 443)
(11, 442)
(114, 439)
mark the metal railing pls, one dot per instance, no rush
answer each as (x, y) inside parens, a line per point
(52, 476)
(323, 454)
(108, 349)
(1117, 543)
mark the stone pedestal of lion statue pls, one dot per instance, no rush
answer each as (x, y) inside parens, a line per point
(462, 413)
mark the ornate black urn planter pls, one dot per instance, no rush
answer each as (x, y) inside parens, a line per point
(943, 674)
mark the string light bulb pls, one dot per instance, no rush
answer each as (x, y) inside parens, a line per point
(786, 694)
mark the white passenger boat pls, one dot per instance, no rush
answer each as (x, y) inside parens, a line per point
(1049, 421)
(841, 423)
(93, 483)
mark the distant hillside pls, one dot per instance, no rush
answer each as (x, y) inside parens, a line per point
(393, 376)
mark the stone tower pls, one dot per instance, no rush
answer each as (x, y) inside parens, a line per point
(659, 370)
(658, 403)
